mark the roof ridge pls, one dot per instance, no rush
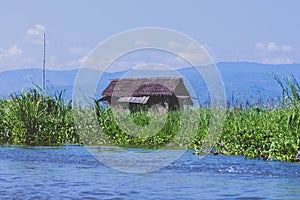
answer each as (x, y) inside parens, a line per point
(154, 77)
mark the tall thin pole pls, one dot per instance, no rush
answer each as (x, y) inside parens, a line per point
(44, 64)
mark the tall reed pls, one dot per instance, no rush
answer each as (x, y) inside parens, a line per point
(34, 118)
(254, 131)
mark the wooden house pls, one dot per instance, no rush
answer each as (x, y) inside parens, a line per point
(167, 93)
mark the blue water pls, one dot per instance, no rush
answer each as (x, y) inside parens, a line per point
(72, 173)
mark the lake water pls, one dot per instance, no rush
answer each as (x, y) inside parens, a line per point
(71, 172)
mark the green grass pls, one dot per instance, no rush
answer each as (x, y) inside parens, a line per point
(262, 133)
(268, 133)
(35, 118)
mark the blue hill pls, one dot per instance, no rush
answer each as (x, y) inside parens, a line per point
(242, 80)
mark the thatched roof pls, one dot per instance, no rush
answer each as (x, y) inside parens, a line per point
(153, 86)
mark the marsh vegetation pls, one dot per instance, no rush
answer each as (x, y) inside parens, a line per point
(36, 118)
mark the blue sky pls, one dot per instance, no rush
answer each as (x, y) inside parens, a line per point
(263, 31)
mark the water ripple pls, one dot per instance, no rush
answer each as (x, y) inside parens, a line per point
(72, 173)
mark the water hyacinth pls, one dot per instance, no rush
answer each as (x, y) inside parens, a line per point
(222, 143)
(35, 118)
(298, 155)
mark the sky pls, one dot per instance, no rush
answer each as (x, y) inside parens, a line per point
(263, 31)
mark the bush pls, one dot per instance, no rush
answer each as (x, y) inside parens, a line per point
(33, 118)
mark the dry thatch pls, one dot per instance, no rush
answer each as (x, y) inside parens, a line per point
(157, 86)
(142, 87)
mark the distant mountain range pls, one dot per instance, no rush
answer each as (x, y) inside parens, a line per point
(242, 80)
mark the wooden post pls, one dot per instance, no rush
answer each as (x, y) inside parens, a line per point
(44, 64)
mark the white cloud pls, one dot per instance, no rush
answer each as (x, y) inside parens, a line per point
(35, 34)
(82, 59)
(174, 45)
(272, 46)
(199, 59)
(37, 30)
(53, 59)
(273, 53)
(29, 60)
(2, 53)
(260, 46)
(278, 60)
(195, 54)
(14, 50)
(286, 48)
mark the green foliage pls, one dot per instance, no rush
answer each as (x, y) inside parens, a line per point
(265, 133)
(88, 128)
(261, 133)
(33, 118)
(136, 135)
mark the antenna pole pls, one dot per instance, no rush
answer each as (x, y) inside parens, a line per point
(44, 63)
